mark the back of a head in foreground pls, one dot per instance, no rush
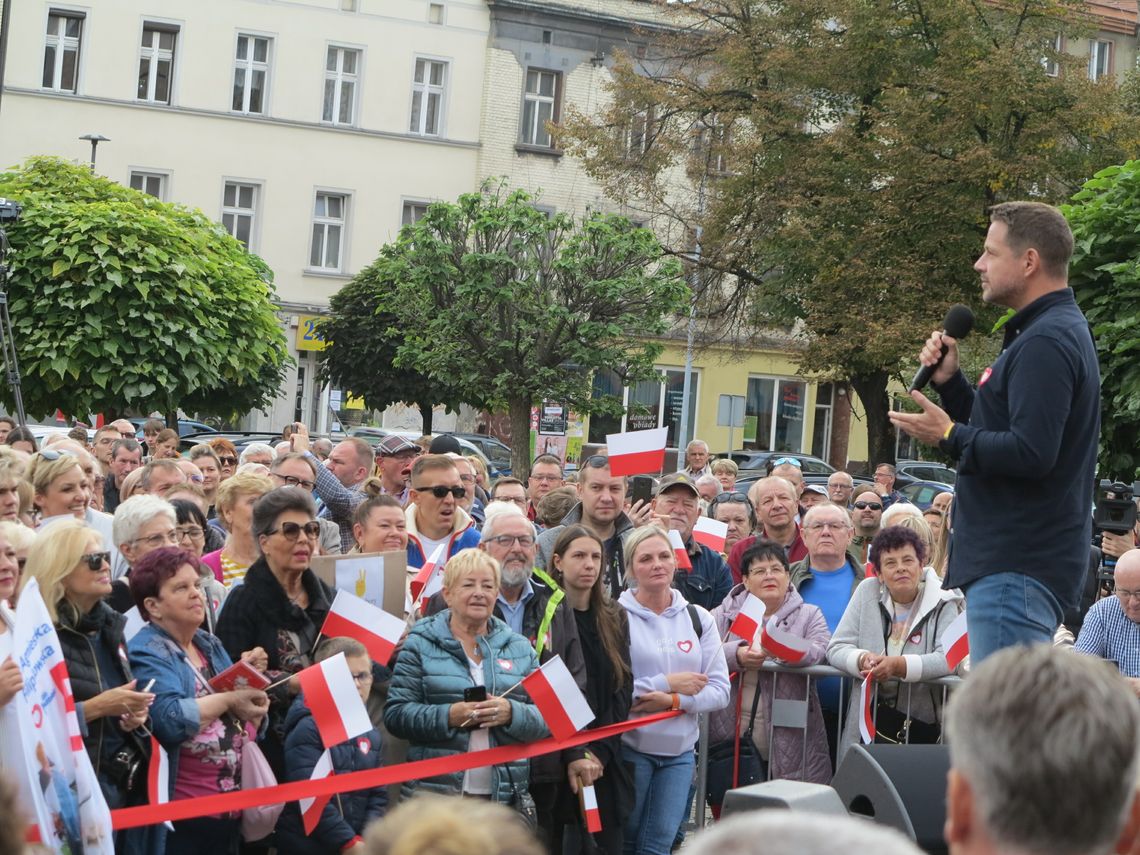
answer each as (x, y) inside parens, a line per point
(450, 825)
(1047, 741)
(787, 832)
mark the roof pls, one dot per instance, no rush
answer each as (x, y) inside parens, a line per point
(1115, 16)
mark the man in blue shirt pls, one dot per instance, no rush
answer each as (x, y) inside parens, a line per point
(1112, 626)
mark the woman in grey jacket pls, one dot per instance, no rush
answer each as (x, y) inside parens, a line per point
(458, 653)
(892, 630)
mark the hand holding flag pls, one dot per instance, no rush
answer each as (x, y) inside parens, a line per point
(750, 618)
(558, 698)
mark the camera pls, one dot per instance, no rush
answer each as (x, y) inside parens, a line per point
(1118, 513)
(9, 211)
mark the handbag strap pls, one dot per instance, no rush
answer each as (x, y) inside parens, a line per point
(755, 703)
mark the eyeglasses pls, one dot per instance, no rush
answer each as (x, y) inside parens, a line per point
(837, 486)
(362, 677)
(1127, 595)
(467, 479)
(291, 481)
(791, 461)
(96, 560)
(875, 506)
(191, 531)
(292, 530)
(722, 498)
(598, 461)
(509, 539)
(441, 492)
(156, 540)
(820, 526)
(767, 571)
(227, 460)
(545, 478)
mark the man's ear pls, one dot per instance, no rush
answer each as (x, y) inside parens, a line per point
(959, 809)
(1129, 841)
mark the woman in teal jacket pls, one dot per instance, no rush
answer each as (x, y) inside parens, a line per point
(464, 651)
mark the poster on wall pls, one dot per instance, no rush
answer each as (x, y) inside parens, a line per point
(556, 430)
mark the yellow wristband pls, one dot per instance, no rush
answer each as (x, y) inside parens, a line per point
(949, 430)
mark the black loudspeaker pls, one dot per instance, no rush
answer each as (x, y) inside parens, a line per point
(903, 786)
(789, 795)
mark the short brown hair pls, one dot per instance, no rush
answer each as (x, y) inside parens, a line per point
(1035, 225)
(429, 462)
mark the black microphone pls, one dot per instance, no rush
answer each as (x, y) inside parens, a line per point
(957, 324)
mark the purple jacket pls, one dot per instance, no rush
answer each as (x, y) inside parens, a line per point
(788, 757)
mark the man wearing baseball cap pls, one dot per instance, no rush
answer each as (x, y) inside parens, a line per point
(395, 455)
(677, 506)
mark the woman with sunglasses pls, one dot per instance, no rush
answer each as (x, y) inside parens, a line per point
(227, 455)
(281, 605)
(71, 564)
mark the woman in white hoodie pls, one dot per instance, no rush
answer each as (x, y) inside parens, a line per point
(678, 664)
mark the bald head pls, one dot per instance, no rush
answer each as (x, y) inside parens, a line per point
(1127, 573)
(792, 474)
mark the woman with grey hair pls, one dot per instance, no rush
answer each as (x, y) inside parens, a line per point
(281, 605)
(258, 452)
(142, 524)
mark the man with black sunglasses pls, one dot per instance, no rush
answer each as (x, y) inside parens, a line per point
(433, 514)
(867, 515)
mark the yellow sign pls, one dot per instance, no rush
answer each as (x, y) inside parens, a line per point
(307, 336)
(352, 403)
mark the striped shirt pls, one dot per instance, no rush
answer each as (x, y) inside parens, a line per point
(1109, 634)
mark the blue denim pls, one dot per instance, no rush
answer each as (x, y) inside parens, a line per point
(661, 786)
(1007, 609)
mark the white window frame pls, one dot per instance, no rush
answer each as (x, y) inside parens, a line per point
(1095, 49)
(163, 176)
(662, 400)
(236, 210)
(62, 44)
(250, 65)
(529, 136)
(155, 55)
(340, 78)
(778, 379)
(325, 220)
(406, 203)
(1051, 66)
(425, 89)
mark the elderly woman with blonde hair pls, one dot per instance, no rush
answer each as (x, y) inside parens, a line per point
(236, 497)
(448, 689)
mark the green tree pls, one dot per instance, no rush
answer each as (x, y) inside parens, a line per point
(122, 302)
(497, 298)
(363, 337)
(1105, 274)
(845, 154)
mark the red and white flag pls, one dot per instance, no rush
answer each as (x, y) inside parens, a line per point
(712, 533)
(784, 645)
(866, 719)
(750, 619)
(679, 551)
(158, 777)
(590, 809)
(956, 641)
(377, 630)
(430, 578)
(638, 452)
(558, 698)
(311, 809)
(331, 696)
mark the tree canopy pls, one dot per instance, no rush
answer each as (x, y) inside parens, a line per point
(122, 302)
(513, 306)
(837, 160)
(1105, 275)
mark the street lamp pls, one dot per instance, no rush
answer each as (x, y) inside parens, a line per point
(94, 139)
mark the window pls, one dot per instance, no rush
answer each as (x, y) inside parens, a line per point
(1100, 59)
(341, 75)
(413, 212)
(156, 63)
(648, 404)
(61, 51)
(1049, 61)
(639, 132)
(251, 72)
(540, 105)
(774, 414)
(435, 13)
(712, 143)
(239, 207)
(821, 430)
(328, 231)
(428, 86)
(152, 183)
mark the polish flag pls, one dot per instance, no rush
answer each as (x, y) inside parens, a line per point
(590, 809)
(866, 720)
(712, 533)
(956, 641)
(637, 452)
(430, 578)
(134, 623)
(311, 809)
(558, 698)
(158, 774)
(330, 694)
(750, 619)
(377, 630)
(784, 645)
(679, 551)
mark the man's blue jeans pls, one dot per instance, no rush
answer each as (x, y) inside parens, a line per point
(661, 787)
(1007, 609)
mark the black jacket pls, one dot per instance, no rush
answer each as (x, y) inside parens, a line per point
(1026, 445)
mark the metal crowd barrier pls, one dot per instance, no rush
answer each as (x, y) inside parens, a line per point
(793, 713)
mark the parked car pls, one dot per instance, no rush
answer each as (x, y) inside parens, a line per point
(240, 439)
(921, 493)
(498, 453)
(910, 471)
(186, 427)
(495, 466)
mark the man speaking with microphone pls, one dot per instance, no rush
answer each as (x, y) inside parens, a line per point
(1025, 439)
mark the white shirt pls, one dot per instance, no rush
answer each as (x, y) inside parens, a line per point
(477, 781)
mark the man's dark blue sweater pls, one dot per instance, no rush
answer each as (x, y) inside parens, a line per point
(1026, 444)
